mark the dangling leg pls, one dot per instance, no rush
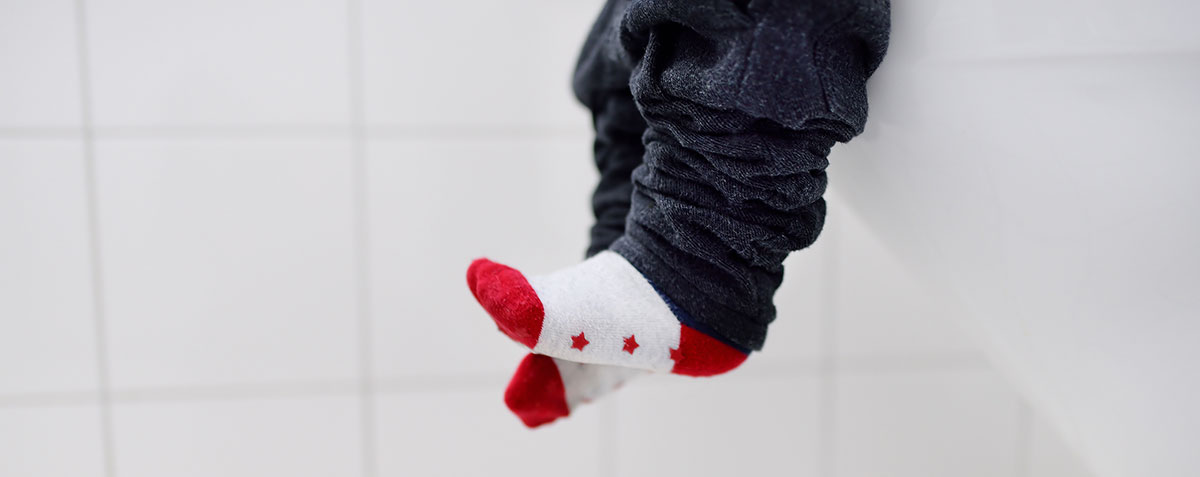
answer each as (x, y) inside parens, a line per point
(543, 388)
(744, 102)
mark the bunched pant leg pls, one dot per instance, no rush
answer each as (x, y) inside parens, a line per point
(601, 83)
(743, 101)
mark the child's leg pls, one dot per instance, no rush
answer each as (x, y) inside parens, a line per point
(743, 106)
(601, 82)
(544, 389)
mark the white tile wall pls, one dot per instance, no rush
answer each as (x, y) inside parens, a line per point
(51, 441)
(458, 432)
(218, 63)
(39, 86)
(1032, 166)
(926, 423)
(46, 333)
(436, 205)
(669, 425)
(801, 303)
(300, 436)
(227, 261)
(495, 63)
(1051, 457)
(1007, 30)
(881, 308)
(232, 219)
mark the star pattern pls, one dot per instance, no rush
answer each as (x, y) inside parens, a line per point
(676, 355)
(630, 344)
(579, 341)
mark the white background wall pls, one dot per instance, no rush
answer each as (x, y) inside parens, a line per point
(233, 237)
(1038, 159)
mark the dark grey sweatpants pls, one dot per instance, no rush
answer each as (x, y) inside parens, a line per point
(713, 122)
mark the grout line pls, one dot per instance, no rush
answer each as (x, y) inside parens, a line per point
(44, 399)
(358, 127)
(881, 364)
(225, 392)
(828, 366)
(438, 383)
(358, 141)
(252, 390)
(41, 132)
(476, 132)
(766, 370)
(443, 382)
(225, 131)
(94, 245)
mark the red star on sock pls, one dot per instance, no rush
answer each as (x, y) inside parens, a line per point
(578, 342)
(630, 344)
(676, 355)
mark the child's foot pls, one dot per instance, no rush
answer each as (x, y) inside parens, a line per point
(544, 389)
(601, 311)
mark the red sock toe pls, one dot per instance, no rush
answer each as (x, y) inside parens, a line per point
(508, 297)
(536, 393)
(702, 355)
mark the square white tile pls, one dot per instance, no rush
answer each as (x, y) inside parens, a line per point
(47, 339)
(485, 63)
(470, 432)
(221, 62)
(40, 84)
(301, 436)
(435, 206)
(926, 424)
(51, 441)
(1050, 456)
(228, 261)
(881, 307)
(669, 425)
